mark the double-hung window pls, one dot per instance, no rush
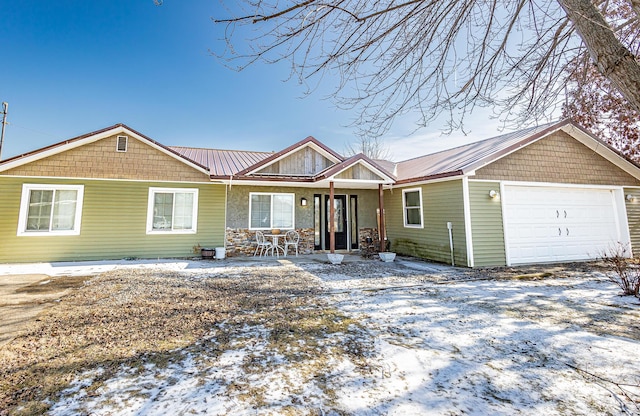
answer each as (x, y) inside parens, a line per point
(172, 210)
(412, 207)
(270, 210)
(50, 210)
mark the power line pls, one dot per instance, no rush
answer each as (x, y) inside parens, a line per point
(44, 133)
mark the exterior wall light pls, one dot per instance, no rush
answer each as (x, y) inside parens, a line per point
(303, 201)
(493, 194)
(631, 198)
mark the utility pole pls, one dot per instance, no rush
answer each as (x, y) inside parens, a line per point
(5, 111)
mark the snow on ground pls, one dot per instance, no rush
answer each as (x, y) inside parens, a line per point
(461, 347)
(456, 349)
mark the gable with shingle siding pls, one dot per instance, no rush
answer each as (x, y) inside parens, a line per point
(558, 158)
(101, 160)
(306, 161)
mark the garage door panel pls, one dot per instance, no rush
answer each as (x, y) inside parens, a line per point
(547, 224)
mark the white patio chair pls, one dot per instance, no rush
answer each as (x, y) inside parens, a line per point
(291, 238)
(263, 246)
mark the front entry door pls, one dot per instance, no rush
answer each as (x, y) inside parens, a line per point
(340, 221)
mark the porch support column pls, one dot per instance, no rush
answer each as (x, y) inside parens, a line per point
(332, 222)
(381, 231)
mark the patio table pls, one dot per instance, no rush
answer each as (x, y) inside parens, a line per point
(275, 238)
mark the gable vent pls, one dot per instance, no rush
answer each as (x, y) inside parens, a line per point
(121, 145)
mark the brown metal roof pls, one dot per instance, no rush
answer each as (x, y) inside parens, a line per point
(222, 163)
(387, 165)
(463, 159)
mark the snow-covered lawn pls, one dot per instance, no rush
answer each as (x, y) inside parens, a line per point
(390, 340)
(495, 347)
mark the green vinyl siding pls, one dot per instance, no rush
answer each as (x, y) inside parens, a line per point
(633, 216)
(114, 218)
(442, 202)
(486, 224)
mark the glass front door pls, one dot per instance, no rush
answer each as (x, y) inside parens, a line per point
(339, 221)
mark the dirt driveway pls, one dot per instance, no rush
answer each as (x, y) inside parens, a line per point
(24, 296)
(28, 289)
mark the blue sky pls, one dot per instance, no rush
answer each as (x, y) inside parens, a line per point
(69, 67)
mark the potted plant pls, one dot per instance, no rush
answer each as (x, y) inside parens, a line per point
(207, 253)
(387, 256)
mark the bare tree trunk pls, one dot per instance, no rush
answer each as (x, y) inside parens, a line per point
(613, 59)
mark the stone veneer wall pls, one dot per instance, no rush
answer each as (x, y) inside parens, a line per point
(364, 233)
(241, 241)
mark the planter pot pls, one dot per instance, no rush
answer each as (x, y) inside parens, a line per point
(207, 253)
(335, 258)
(220, 253)
(387, 257)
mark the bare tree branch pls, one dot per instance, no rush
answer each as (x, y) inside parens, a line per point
(431, 57)
(372, 147)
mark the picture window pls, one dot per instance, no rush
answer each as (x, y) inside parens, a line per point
(50, 210)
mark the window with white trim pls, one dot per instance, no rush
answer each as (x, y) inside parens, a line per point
(270, 210)
(172, 210)
(50, 210)
(412, 207)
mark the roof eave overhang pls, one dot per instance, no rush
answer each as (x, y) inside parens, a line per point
(323, 184)
(602, 149)
(432, 178)
(300, 182)
(91, 138)
(59, 147)
(351, 183)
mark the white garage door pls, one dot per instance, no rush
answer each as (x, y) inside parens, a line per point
(549, 224)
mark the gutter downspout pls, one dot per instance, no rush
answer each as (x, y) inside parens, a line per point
(450, 228)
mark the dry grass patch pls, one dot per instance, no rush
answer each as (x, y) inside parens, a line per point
(54, 285)
(134, 318)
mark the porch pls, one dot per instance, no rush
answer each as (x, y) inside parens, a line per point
(355, 214)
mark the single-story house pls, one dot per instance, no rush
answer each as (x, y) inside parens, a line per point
(544, 194)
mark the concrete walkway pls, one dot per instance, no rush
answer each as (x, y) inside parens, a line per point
(89, 268)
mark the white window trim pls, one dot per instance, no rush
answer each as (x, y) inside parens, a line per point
(126, 143)
(24, 209)
(194, 212)
(404, 208)
(293, 205)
